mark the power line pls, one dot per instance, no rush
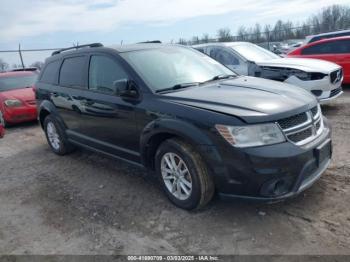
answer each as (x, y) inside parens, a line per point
(29, 50)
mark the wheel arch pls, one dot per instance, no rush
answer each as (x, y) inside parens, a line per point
(47, 108)
(158, 131)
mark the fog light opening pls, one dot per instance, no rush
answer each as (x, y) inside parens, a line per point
(280, 188)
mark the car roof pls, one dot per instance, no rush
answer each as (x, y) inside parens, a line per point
(324, 40)
(16, 73)
(137, 47)
(114, 48)
(329, 33)
(226, 44)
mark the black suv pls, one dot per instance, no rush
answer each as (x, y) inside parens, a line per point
(198, 125)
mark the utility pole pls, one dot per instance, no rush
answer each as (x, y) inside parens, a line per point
(20, 55)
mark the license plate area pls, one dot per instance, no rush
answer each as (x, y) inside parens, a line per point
(323, 152)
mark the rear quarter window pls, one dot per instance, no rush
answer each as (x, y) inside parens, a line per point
(72, 71)
(50, 73)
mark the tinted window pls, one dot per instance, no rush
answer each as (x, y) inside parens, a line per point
(50, 73)
(224, 57)
(72, 70)
(103, 72)
(334, 47)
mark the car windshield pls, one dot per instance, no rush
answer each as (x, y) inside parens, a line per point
(254, 53)
(167, 67)
(16, 82)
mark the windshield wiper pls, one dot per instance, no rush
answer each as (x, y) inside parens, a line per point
(219, 77)
(177, 86)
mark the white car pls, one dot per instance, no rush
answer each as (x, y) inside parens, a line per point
(321, 78)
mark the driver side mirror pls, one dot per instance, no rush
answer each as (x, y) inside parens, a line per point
(126, 88)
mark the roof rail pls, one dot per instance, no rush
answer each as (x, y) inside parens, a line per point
(25, 69)
(151, 42)
(76, 47)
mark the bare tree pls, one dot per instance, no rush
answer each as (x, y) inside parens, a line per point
(182, 41)
(257, 33)
(205, 38)
(241, 34)
(224, 35)
(195, 40)
(3, 65)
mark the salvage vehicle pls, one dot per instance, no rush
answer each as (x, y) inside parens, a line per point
(336, 50)
(249, 59)
(197, 125)
(17, 97)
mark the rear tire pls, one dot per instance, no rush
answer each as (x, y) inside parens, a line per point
(56, 136)
(187, 182)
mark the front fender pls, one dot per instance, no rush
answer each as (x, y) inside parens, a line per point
(177, 128)
(162, 129)
(165, 128)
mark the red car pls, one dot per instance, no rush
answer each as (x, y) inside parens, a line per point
(336, 50)
(17, 97)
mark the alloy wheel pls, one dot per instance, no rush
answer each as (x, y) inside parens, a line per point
(53, 136)
(176, 176)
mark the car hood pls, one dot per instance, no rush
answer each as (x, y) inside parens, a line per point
(304, 64)
(251, 99)
(23, 94)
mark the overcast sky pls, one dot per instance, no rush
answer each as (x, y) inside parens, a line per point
(59, 23)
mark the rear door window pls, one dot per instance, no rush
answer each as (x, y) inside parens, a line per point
(72, 72)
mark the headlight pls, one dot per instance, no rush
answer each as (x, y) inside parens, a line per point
(302, 75)
(251, 135)
(13, 103)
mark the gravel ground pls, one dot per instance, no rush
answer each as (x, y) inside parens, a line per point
(85, 203)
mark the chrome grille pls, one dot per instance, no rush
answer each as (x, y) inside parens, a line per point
(304, 127)
(292, 121)
(318, 125)
(300, 136)
(336, 76)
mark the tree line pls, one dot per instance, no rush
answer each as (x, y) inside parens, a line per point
(332, 18)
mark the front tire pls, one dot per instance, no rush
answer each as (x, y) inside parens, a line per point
(56, 137)
(184, 175)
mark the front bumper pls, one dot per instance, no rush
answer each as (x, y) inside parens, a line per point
(328, 96)
(271, 173)
(323, 89)
(15, 115)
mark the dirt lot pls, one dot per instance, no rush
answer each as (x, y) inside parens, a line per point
(85, 203)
